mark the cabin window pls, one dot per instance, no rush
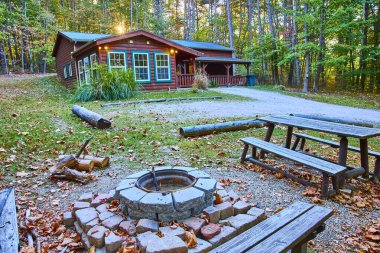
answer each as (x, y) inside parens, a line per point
(70, 69)
(64, 72)
(162, 63)
(86, 68)
(141, 66)
(117, 60)
(80, 70)
(67, 70)
(93, 62)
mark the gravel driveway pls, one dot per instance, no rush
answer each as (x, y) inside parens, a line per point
(264, 102)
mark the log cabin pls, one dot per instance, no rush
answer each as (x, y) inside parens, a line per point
(157, 63)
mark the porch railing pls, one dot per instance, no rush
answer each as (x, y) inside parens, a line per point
(185, 81)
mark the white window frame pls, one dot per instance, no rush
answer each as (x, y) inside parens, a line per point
(109, 60)
(86, 69)
(80, 70)
(70, 66)
(167, 67)
(64, 72)
(148, 66)
(93, 59)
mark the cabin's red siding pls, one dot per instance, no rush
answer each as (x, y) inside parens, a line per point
(139, 44)
(215, 53)
(63, 57)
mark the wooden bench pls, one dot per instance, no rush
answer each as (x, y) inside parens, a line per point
(289, 229)
(328, 169)
(8, 222)
(301, 139)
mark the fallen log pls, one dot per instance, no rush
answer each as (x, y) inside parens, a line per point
(93, 118)
(336, 120)
(195, 131)
(158, 100)
(70, 174)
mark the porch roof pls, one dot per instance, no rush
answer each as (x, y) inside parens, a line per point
(222, 60)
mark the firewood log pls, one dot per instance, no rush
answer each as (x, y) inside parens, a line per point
(85, 165)
(99, 162)
(70, 174)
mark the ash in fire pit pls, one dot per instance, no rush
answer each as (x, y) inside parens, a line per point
(166, 193)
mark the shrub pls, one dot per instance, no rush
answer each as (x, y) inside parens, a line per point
(200, 81)
(213, 84)
(107, 85)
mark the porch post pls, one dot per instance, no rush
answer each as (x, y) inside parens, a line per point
(228, 66)
(247, 66)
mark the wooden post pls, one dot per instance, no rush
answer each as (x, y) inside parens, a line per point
(228, 66)
(247, 66)
(268, 135)
(364, 156)
(289, 137)
(342, 157)
(244, 154)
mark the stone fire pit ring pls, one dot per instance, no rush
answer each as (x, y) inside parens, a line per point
(195, 193)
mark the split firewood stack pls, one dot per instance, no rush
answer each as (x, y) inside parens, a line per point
(78, 167)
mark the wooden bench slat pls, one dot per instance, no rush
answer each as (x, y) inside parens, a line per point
(319, 164)
(334, 144)
(9, 238)
(264, 229)
(294, 233)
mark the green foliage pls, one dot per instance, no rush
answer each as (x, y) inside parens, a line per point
(213, 84)
(107, 85)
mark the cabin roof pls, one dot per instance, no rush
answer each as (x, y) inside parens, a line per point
(202, 45)
(83, 37)
(221, 59)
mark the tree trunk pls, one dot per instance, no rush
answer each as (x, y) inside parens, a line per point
(295, 44)
(307, 56)
(229, 21)
(261, 32)
(363, 51)
(319, 73)
(250, 30)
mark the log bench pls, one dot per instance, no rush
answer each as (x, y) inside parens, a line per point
(328, 169)
(301, 139)
(290, 229)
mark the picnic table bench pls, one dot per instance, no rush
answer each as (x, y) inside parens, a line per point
(290, 229)
(301, 139)
(9, 239)
(328, 169)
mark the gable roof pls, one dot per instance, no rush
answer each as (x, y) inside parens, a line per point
(83, 37)
(110, 39)
(202, 45)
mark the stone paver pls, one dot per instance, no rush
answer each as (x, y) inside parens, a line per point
(199, 174)
(96, 236)
(138, 174)
(174, 216)
(195, 224)
(225, 234)
(113, 222)
(208, 185)
(132, 196)
(113, 243)
(105, 215)
(202, 247)
(158, 168)
(173, 231)
(86, 197)
(210, 230)
(144, 238)
(219, 186)
(226, 210)
(102, 208)
(100, 199)
(157, 203)
(85, 215)
(129, 227)
(222, 193)
(78, 228)
(188, 169)
(145, 225)
(138, 214)
(90, 224)
(80, 205)
(170, 244)
(125, 184)
(257, 212)
(86, 243)
(212, 214)
(241, 207)
(187, 198)
(242, 222)
(68, 219)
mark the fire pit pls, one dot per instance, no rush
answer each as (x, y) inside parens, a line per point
(166, 193)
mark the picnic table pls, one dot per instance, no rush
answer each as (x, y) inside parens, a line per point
(341, 130)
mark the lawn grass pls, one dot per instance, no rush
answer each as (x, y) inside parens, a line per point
(36, 125)
(360, 100)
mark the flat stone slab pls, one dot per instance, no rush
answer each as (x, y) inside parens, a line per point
(225, 234)
(113, 243)
(129, 227)
(96, 236)
(242, 222)
(78, 228)
(195, 224)
(174, 216)
(125, 184)
(157, 203)
(202, 247)
(212, 214)
(80, 205)
(68, 219)
(257, 212)
(105, 215)
(138, 214)
(170, 244)
(158, 168)
(173, 231)
(210, 230)
(207, 185)
(138, 174)
(86, 243)
(90, 224)
(86, 197)
(226, 210)
(145, 225)
(241, 207)
(113, 222)
(188, 169)
(188, 198)
(199, 174)
(144, 238)
(132, 196)
(85, 215)
(102, 208)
